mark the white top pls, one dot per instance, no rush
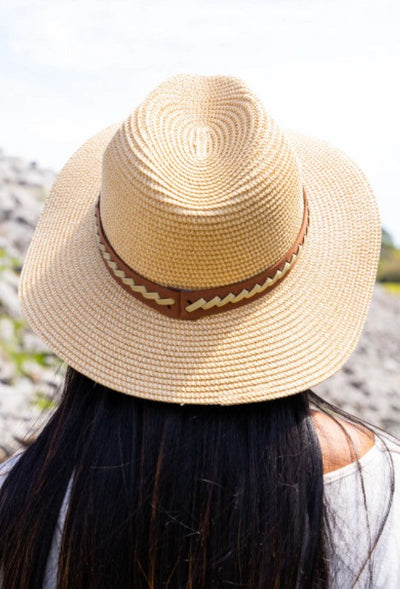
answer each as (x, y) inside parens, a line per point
(357, 528)
(350, 536)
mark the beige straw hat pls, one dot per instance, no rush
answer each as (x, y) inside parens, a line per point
(198, 254)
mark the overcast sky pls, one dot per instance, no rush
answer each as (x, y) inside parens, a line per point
(329, 68)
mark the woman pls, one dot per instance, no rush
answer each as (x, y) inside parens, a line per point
(199, 270)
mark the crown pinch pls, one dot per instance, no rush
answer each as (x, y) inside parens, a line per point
(193, 304)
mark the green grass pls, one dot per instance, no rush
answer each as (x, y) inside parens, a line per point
(393, 287)
(389, 265)
(13, 350)
(43, 403)
(8, 262)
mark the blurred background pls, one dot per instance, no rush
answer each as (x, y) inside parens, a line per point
(328, 68)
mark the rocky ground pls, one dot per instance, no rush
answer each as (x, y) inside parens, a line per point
(368, 385)
(27, 369)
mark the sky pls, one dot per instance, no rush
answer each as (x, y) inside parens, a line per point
(328, 68)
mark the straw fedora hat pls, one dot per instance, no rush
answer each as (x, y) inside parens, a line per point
(196, 253)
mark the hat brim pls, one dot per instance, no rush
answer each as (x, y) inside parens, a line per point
(289, 340)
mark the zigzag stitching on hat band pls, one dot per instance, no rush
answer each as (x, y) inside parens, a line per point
(186, 304)
(138, 288)
(244, 294)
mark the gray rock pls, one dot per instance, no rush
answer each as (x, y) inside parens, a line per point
(369, 383)
(9, 302)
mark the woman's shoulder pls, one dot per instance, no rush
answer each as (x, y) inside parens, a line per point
(363, 502)
(342, 442)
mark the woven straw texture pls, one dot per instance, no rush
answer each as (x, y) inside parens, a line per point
(201, 188)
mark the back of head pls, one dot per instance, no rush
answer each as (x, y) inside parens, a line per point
(205, 268)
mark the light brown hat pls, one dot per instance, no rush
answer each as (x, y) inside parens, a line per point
(198, 254)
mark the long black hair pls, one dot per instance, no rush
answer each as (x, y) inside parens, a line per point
(168, 496)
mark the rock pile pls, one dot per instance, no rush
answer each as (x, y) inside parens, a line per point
(27, 368)
(368, 385)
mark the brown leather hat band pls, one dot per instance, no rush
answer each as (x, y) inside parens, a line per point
(193, 304)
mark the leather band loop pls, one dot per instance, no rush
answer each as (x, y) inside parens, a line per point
(193, 304)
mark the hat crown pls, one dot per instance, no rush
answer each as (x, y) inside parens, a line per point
(200, 187)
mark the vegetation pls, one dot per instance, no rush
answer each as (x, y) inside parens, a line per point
(393, 287)
(22, 357)
(389, 263)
